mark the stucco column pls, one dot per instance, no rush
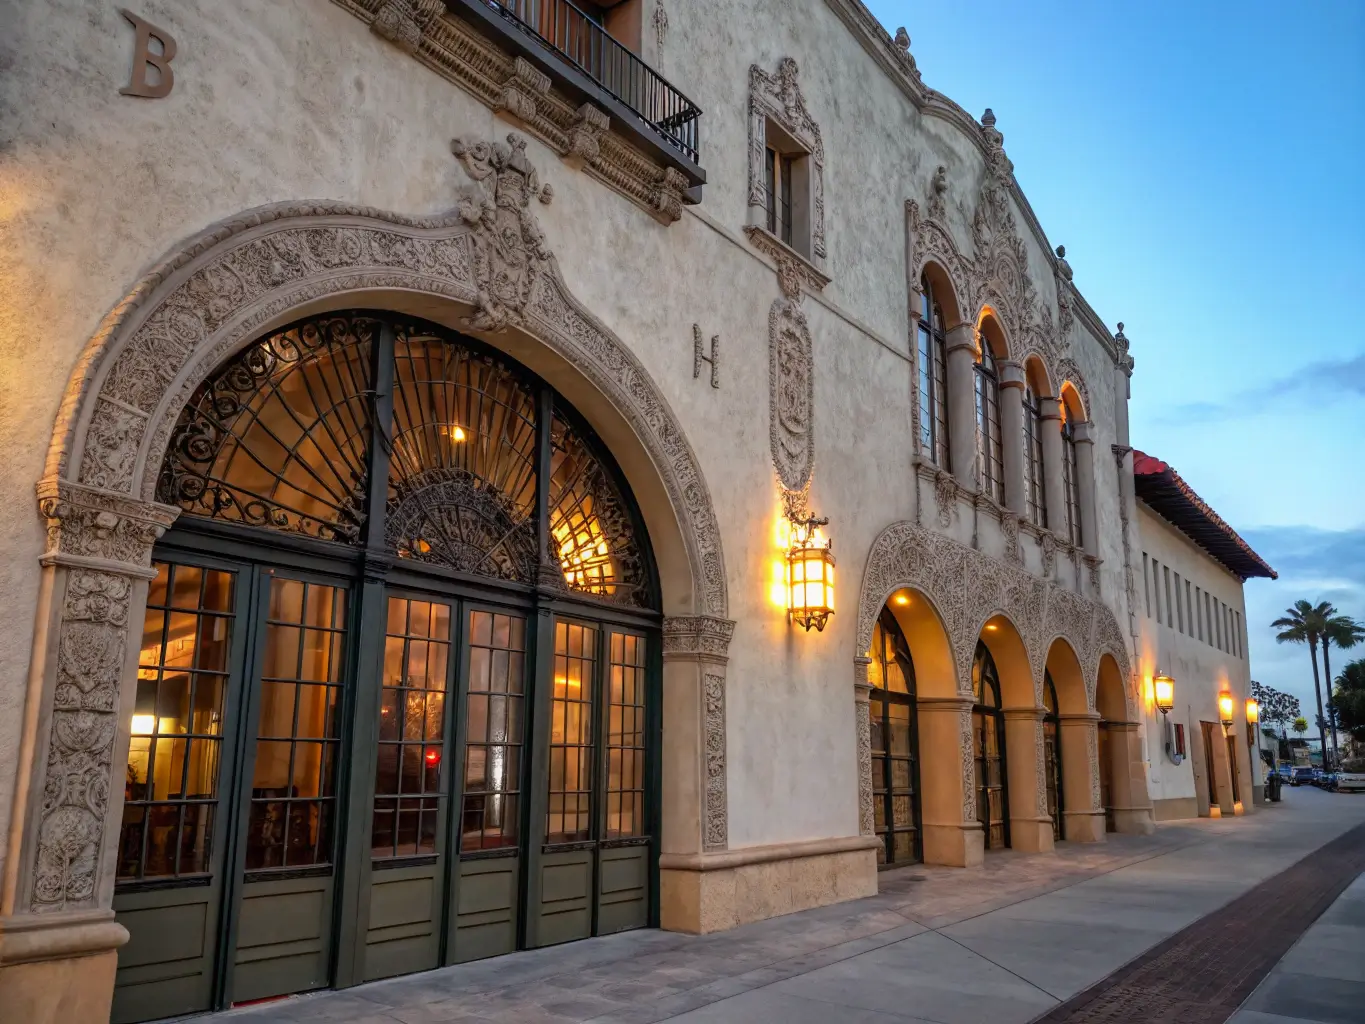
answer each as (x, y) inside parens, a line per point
(961, 358)
(1130, 803)
(947, 783)
(58, 936)
(1050, 417)
(1012, 435)
(1083, 817)
(1030, 824)
(1085, 486)
(694, 809)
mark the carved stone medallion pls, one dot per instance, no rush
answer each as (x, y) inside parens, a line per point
(791, 384)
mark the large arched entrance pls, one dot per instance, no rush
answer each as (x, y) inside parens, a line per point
(1122, 784)
(894, 736)
(398, 689)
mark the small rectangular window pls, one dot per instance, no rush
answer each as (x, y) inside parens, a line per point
(1241, 637)
(786, 187)
(1199, 611)
(1170, 607)
(1156, 588)
(1208, 618)
(1146, 586)
(1180, 739)
(1218, 620)
(1189, 607)
(1179, 606)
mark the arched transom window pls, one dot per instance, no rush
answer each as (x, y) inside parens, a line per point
(1071, 484)
(933, 378)
(280, 436)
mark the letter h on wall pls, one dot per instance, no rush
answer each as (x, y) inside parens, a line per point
(699, 356)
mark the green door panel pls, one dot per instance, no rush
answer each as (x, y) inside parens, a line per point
(623, 889)
(565, 911)
(283, 937)
(486, 908)
(164, 971)
(403, 935)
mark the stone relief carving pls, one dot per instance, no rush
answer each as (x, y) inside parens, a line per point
(795, 276)
(698, 634)
(1009, 527)
(1040, 766)
(967, 587)
(791, 391)
(699, 355)
(715, 825)
(863, 724)
(945, 497)
(1092, 741)
(938, 190)
(1048, 546)
(403, 22)
(509, 248)
(1065, 315)
(967, 743)
(902, 54)
(777, 97)
(660, 19)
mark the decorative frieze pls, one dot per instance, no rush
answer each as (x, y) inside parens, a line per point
(706, 635)
(715, 814)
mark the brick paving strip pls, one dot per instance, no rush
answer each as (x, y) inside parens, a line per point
(1201, 975)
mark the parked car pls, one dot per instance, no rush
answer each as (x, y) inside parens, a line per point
(1285, 771)
(1351, 778)
(1302, 774)
(1326, 780)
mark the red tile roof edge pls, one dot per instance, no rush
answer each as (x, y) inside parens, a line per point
(1145, 465)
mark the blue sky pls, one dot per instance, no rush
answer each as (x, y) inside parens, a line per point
(1203, 164)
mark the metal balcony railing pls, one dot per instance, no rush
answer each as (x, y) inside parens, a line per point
(566, 29)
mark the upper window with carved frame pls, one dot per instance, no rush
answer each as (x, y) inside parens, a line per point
(933, 379)
(989, 437)
(286, 436)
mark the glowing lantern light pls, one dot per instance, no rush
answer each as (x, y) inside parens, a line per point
(810, 575)
(1164, 687)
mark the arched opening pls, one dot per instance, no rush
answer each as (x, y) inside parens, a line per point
(1036, 388)
(1073, 414)
(895, 744)
(1052, 758)
(937, 314)
(990, 436)
(398, 702)
(989, 751)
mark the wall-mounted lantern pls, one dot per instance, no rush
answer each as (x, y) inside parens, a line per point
(1225, 711)
(810, 574)
(1164, 689)
(1253, 717)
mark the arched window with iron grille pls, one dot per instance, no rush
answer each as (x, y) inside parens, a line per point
(933, 378)
(989, 439)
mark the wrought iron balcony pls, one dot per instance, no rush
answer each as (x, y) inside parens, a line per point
(664, 112)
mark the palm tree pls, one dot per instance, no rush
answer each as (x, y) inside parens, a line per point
(1304, 624)
(1345, 632)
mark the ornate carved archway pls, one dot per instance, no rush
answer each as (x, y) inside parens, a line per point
(201, 304)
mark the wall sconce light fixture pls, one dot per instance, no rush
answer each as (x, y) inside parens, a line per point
(810, 575)
(1225, 711)
(1163, 688)
(1253, 717)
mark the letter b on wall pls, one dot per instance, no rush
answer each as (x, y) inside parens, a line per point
(145, 59)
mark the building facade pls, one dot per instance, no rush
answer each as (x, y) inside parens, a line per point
(485, 475)
(1194, 631)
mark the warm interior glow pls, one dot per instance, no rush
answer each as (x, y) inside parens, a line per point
(455, 433)
(1165, 693)
(991, 627)
(1253, 711)
(144, 725)
(1225, 708)
(902, 599)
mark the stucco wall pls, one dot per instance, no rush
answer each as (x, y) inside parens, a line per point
(295, 99)
(1201, 671)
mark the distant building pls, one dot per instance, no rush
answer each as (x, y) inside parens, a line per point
(1192, 628)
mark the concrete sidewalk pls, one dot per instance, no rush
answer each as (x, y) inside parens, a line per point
(1000, 944)
(1322, 979)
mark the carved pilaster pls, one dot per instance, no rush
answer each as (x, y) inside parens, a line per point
(698, 635)
(705, 640)
(862, 723)
(99, 548)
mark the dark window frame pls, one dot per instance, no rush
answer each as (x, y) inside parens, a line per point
(989, 434)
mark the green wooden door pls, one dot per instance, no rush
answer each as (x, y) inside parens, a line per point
(590, 868)
(285, 854)
(181, 757)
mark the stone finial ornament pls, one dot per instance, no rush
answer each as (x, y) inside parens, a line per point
(938, 190)
(1125, 360)
(903, 39)
(1062, 264)
(902, 42)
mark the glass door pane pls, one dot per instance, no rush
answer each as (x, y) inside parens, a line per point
(170, 852)
(488, 888)
(901, 763)
(624, 856)
(283, 933)
(407, 873)
(876, 711)
(1053, 770)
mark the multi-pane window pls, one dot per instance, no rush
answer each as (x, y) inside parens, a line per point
(1035, 494)
(1189, 608)
(293, 788)
(1179, 606)
(989, 448)
(407, 790)
(777, 193)
(933, 379)
(988, 729)
(625, 782)
(891, 717)
(171, 784)
(1146, 585)
(495, 717)
(1166, 585)
(1071, 484)
(569, 814)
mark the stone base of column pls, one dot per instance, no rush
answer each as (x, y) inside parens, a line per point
(58, 970)
(1031, 835)
(1135, 821)
(1084, 826)
(1258, 794)
(712, 892)
(954, 844)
